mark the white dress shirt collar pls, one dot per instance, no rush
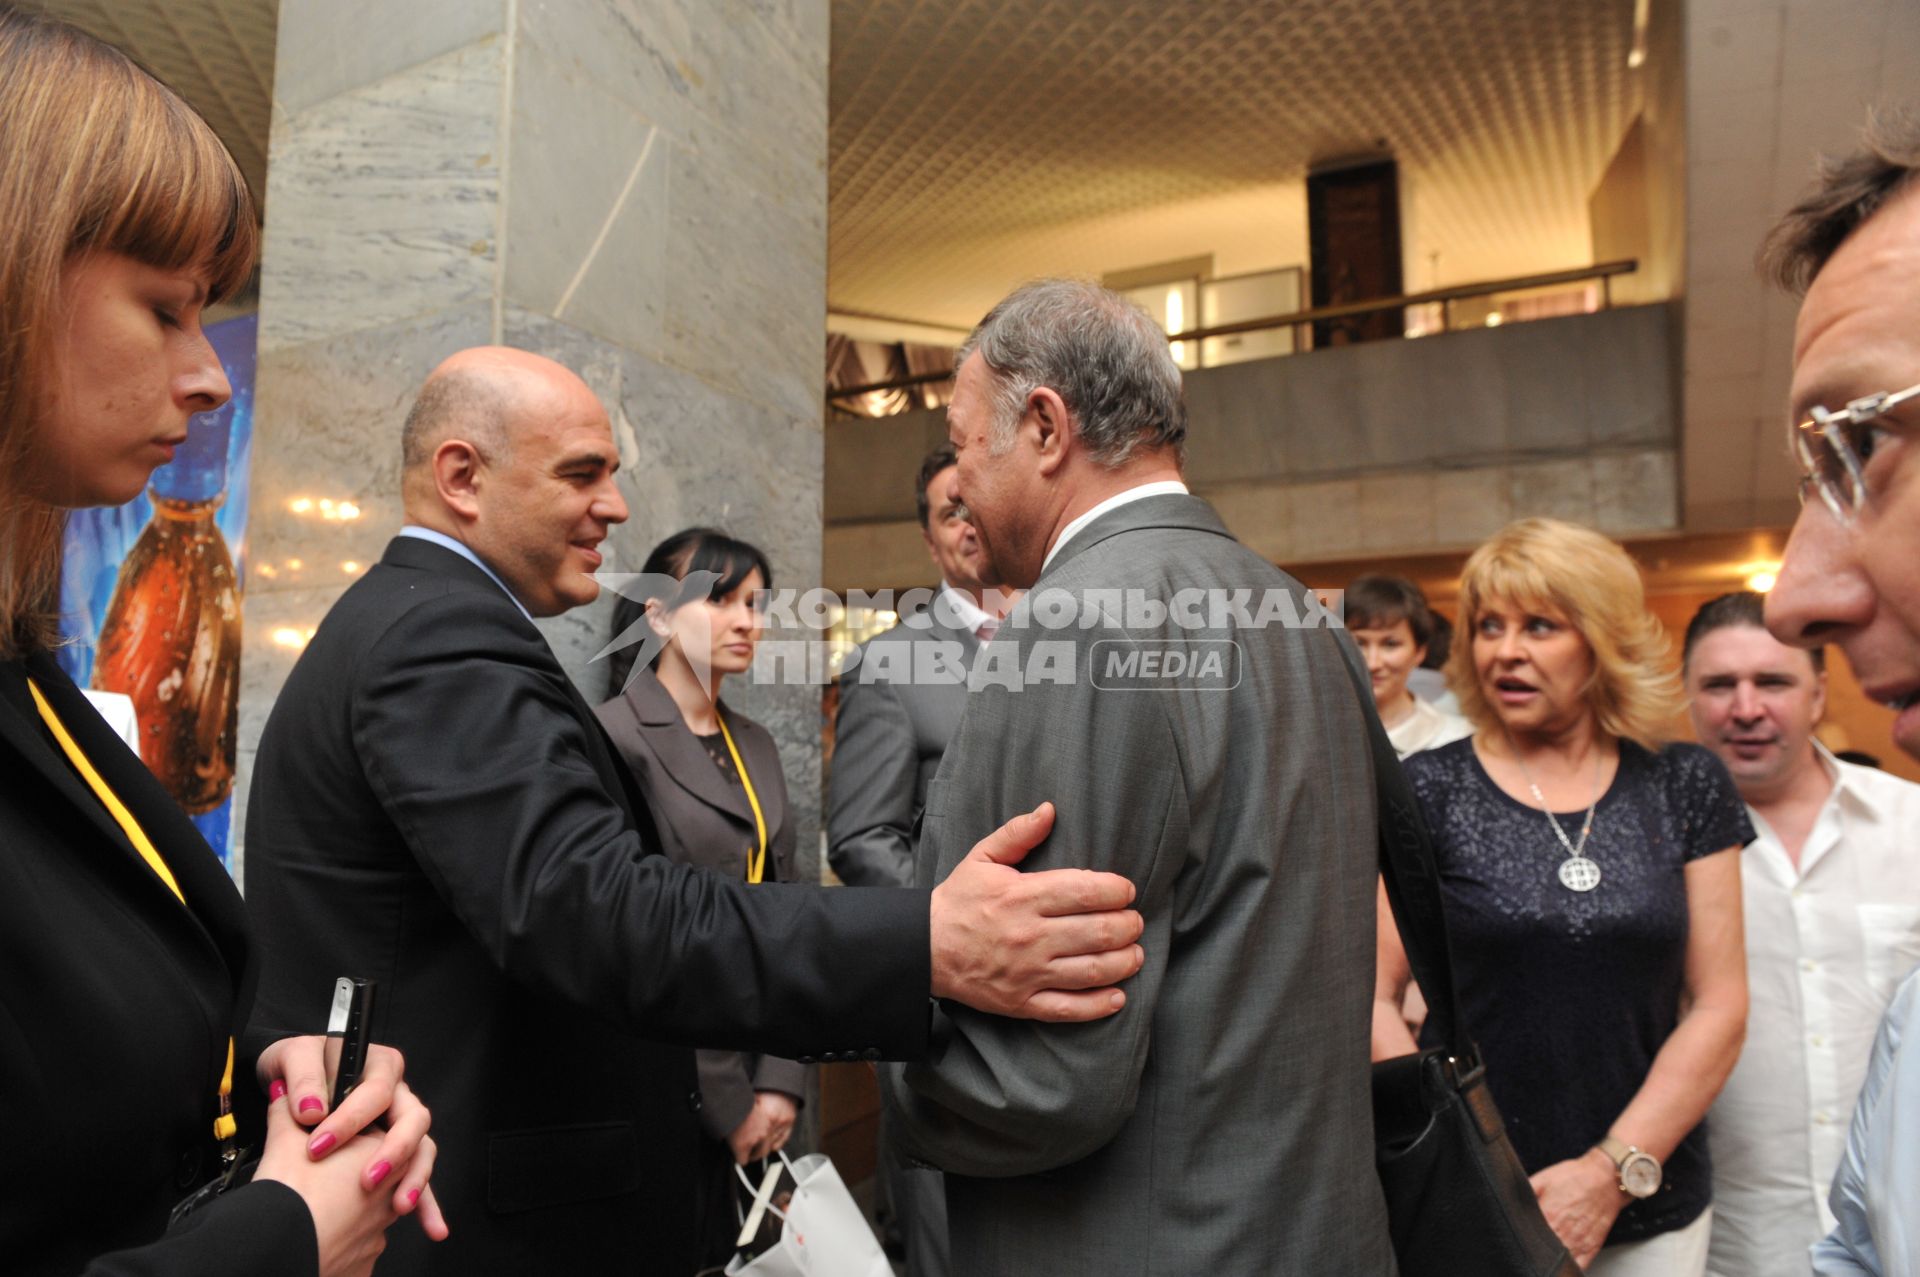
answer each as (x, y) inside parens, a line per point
(958, 607)
(1159, 488)
(465, 551)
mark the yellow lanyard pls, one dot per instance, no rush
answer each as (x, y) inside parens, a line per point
(757, 866)
(224, 1125)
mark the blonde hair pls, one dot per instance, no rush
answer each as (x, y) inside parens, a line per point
(95, 156)
(1565, 570)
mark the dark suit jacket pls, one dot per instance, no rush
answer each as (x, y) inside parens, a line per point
(436, 807)
(899, 706)
(115, 1009)
(704, 819)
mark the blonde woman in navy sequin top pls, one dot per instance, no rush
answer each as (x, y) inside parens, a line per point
(1591, 880)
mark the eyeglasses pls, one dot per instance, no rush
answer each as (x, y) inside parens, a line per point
(1834, 447)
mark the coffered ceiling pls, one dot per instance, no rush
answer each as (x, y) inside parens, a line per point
(217, 53)
(976, 143)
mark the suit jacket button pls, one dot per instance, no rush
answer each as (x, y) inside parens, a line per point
(187, 1174)
(829, 1057)
(803, 1059)
(693, 1101)
(871, 1053)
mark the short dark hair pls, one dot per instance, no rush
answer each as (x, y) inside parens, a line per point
(1379, 601)
(1848, 190)
(1730, 611)
(931, 465)
(681, 555)
(1440, 646)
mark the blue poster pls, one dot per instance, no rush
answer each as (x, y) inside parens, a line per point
(150, 597)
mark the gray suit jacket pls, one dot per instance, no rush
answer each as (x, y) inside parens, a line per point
(1221, 1123)
(704, 819)
(894, 724)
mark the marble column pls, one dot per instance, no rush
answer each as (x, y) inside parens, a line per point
(633, 187)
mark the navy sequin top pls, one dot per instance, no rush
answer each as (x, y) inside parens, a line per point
(1571, 994)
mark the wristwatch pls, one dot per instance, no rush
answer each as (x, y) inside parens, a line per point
(1639, 1172)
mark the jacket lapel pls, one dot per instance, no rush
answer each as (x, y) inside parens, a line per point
(214, 910)
(681, 754)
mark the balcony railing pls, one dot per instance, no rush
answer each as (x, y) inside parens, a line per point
(1296, 321)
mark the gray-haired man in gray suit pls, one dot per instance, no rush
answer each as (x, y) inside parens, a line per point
(1197, 730)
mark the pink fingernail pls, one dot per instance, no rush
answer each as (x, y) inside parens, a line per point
(275, 1091)
(377, 1172)
(413, 1197)
(321, 1143)
(311, 1104)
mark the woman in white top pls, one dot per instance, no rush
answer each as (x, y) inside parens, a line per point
(1389, 619)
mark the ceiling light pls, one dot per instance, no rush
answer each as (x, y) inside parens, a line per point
(1762, 581)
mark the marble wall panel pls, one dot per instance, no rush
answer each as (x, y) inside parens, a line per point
(1636, 492)
(328, 416)
(746, 280)
(587, 204)
(327, 49)
(384, 201)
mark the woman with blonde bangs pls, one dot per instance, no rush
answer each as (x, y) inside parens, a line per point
(1593, 897)
(125, 967)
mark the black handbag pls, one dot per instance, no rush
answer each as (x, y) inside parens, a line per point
(1458, 1201)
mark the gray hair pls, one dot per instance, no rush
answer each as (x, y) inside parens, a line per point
(1105, 357)
(466, 402)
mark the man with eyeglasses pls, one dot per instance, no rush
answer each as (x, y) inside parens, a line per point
(1852, 578)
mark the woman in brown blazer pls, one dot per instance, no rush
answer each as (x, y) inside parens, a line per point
(712, 777)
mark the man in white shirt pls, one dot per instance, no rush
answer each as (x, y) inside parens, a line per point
(1832, 902)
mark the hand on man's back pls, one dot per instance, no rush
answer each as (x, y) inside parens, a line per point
(1035, 946)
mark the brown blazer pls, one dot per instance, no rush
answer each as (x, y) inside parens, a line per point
(704, 820)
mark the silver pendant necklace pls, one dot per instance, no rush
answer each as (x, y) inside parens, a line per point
(1577, 873)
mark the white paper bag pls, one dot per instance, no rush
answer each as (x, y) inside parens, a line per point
(822, 1234)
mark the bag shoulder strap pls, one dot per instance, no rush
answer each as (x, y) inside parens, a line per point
(1410, 871)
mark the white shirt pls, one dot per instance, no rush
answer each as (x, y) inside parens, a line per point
(1878, 1229)
(1826, 947)
(958, 609)
(446, 542)
(1428, 727)
(1157, 489)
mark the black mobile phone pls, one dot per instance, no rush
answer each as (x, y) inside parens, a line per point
(349, 1024)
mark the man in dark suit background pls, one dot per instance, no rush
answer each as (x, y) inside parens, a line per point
(898, 710)
(893, 725)
(435, 806)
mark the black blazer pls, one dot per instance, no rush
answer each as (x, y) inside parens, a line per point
(436, 807)
(115, 1009)
(704, 819)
